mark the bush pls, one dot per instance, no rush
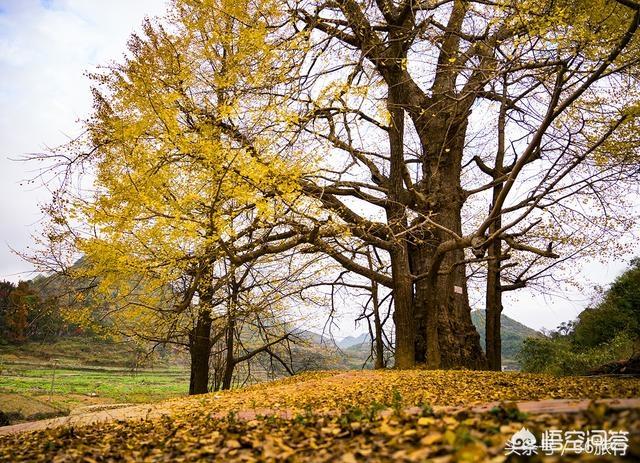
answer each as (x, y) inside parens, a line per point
(560, 356)
(602, 324)
(607, 333)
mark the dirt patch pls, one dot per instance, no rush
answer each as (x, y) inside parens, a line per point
(18, 408)
(127, 413)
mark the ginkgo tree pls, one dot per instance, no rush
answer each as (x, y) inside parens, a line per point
(439, 134)
(179, 202)
(406, 102)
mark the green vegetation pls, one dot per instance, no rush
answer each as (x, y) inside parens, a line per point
(27, 315)
(606, 333)
(512, 332)
(84, 372)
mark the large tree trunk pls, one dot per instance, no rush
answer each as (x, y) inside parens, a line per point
(200, 349)
(403, 310)
(442, 305)
(446, 336)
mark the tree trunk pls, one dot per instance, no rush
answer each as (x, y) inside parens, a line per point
(494, 295)
(200, 349)
(379, 345)
(230, 363)
(397, 219)
(447, 338)
(442, 305)
(403, 310)
(493, 311)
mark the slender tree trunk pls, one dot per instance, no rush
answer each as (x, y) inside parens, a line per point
(229, 365)
(493, 311)
(200, 350)
(379, 345)
(230, 361)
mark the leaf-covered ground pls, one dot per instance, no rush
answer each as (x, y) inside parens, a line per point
(348, 417)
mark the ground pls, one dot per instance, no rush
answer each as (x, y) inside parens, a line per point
(349, 417)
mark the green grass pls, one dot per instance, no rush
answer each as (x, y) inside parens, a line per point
(87, 372)
(118, 385)
(85, 351)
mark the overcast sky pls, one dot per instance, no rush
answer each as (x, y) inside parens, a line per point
(45, 47)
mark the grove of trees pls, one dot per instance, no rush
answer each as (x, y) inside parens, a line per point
(246, 154)
(28, 314)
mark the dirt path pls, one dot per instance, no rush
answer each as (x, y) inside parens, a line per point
(156, 410)
(114, 414)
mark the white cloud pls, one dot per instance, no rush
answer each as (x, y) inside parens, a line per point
(45, 47)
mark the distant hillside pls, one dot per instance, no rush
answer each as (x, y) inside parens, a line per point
(513, 333)
(356, 349)
(350, 341)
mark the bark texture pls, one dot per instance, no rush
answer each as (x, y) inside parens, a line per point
(200, 350)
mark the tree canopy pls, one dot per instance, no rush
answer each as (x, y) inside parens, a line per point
(436, 135)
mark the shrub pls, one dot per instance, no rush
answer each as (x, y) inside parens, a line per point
(560, 356)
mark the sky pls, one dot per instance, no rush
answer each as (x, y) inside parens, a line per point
(45, 48)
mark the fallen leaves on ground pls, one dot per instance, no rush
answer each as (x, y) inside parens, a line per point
(344, 417)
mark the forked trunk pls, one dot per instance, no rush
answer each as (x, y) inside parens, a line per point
(448, 338)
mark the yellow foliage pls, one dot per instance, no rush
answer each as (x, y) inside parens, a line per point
(184, 149)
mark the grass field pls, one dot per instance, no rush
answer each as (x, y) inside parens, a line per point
(44, 380)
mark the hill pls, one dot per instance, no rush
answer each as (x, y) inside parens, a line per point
(513, 334)
(351, 341)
